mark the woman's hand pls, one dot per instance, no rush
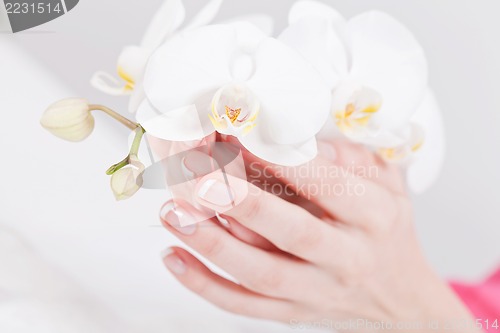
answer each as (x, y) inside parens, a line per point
(358, 261)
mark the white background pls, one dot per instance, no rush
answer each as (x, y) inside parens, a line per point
(56, 198)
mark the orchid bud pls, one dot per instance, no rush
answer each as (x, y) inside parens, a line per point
(69, 119)
(128, 180)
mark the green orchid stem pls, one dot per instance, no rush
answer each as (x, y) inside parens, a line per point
(127, 122)
(118, 166)
(134, 150)
(139, 133)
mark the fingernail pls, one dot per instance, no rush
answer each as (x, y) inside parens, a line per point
(216, 193)
(178, 218)
(198, 164)
(223, 221)
(173, 262)
(327, 151)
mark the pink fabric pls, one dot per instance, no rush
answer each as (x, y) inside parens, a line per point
(483, 299)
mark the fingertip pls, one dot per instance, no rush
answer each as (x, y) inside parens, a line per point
(173, 261)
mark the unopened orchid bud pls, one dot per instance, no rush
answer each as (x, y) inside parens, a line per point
(69, 119)
(128, 180)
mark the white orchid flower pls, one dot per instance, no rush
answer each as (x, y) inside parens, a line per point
(377, 72)
(235, 80)
(424, 149)
(133, 59)
(374, 66)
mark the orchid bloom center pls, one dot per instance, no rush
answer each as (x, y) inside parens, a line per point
(405, 151)
(232, 114)
(361, 105)
(234, 110)
(400, 153)
(129, 81)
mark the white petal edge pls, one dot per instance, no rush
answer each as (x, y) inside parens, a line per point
(263, 22)
(166, 20)
(248, 36)
(318, 43)
(286, 155)
(182, 124)
(205, 16)
(310, 8)
(424, 170)
(137, 97)
(132, 61)
(330, 131)
(108, 84)
(386, 138)
(315, 9)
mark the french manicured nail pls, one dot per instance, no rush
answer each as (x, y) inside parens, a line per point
(327, 151)
(176, 217)
(173, 262)
(216, 193)
(223, 221)
(197, 164)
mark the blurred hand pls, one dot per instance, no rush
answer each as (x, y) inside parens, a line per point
(350, 255)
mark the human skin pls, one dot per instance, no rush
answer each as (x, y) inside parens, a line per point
(326, 258)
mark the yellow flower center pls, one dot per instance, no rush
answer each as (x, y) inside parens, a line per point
(403, 152)
(354, 107)
(232, 114)
(231, 120)
(352, 117)
(129, 82)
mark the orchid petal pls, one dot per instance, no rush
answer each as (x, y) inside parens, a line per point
(309, 8)
(108, 84)
(132, 62)
(137, 97)
(339, 42)
(205, 16)
(248, 36)
(329, 132)
(428, 160)
(263, 22)
(190, 68)
(314, 39)
(168, 18)
(387, 138)
(387, 58)
(295, 102)
(260, 145)
(182, 124)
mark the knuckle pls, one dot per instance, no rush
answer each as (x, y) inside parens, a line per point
(301, 239)
(240, 308)
(250, 208)
(269, 282)
(199, 286)
(387, 215)
(363, 267)
(211, 247)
